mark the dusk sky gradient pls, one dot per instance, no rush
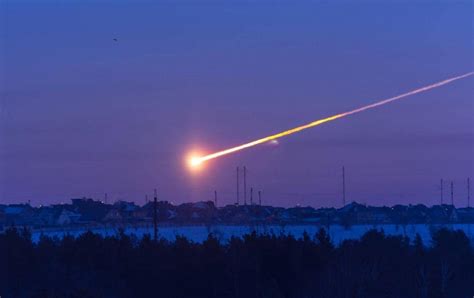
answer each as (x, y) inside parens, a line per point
(83, 115)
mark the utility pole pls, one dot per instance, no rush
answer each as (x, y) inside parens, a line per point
(441, 191)
(155, 217)
(146, 199)
(215, 198)
(468, 192)
(251, 196)
(238, 186)
(343, 187)
(452, 193)
(245, 185)
(105, 198)
(260, 198)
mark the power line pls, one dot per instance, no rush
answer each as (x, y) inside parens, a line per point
(238, 186)
(452, 193)
(251, 196)
(245, 185)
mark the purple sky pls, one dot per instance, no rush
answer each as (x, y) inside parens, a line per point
(82, 114)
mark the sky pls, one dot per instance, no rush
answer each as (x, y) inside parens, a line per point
(110, 96)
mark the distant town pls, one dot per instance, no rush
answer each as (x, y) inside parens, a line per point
(87, 212)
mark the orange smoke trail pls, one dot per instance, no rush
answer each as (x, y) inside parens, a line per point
(198, 160)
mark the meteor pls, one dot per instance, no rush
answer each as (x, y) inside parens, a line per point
(198, 160)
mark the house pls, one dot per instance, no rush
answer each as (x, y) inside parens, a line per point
(67, 217)
(352, 207)
(121, 211)
(90, 210)
(202, 211)
(114, 215)
(125, 208)
(47, 216)
(440, 213)
(165, 211)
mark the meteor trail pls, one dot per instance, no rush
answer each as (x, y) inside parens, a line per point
(196, 161)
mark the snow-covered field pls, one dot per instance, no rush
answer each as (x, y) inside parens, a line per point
(225, 232)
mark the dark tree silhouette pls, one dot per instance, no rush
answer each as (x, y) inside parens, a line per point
(255, 265)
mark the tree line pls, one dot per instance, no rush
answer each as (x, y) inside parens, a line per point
(255, 265)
